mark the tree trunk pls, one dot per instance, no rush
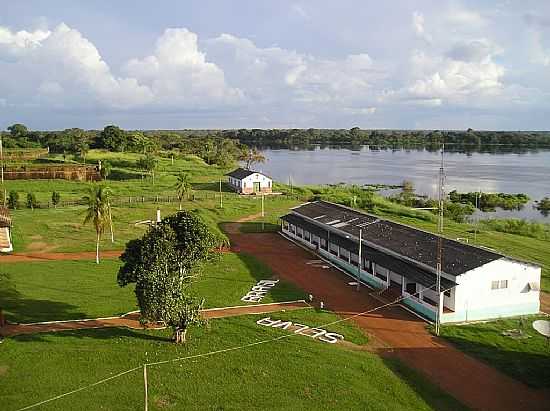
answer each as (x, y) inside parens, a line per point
(180, 204)
(97, 249)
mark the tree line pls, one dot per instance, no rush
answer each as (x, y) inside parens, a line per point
(212, 147)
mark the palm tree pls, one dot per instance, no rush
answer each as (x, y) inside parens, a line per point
(98, 211)
(183, 186)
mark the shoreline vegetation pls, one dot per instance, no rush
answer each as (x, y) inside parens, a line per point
(76, 140)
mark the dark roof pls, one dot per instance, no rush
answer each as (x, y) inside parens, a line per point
(5, 219)
(417, 245)
(395, 264)
(241, 173)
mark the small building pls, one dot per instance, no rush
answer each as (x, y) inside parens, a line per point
(476, 283)
(249, 182)
(5, 234)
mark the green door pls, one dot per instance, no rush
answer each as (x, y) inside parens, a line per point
(256, 187)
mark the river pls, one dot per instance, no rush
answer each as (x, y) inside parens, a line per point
(527, 173)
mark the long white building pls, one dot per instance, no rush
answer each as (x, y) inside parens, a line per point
(476, 283)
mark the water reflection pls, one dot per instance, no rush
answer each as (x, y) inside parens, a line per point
(496, 170)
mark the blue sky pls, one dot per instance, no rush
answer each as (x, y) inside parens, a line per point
(437, 64)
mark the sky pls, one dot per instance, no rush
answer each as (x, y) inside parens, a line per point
(400, 64)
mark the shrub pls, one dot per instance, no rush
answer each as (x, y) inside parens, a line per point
(56, 198)
(13, 200)
(31, 201)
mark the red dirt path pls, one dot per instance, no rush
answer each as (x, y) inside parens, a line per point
(396, 331)
(131, 320)
(38, 256)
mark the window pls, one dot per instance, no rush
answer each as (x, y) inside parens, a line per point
(411, 288)
(447, 292)
(499, 284)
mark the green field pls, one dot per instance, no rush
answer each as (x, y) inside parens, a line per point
(293, 373)
(526, 359)
(65, 290)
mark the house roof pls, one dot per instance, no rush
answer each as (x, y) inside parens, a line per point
(405, 242)
(5, 219)
(395, 264)
(241, 173)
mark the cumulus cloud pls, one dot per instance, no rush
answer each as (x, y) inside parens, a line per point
(178, 74)
(275, 74)
(62, 63)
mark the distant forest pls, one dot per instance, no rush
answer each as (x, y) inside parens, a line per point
(76, 140)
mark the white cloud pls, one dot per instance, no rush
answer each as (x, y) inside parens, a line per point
(418, 23)
(178, 74)
(62, 60)
(274, 74)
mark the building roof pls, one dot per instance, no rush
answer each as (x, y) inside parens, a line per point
(402, 241)
(395, 264)
(5, 219)
(241, 173)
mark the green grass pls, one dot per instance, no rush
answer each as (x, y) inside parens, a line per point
(527, 360)
(225, 282)
(294, 373)
(62, 290)
(65, 290)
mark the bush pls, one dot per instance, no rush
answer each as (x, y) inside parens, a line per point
(56, 198)
(13, 200)
(519, 227)
(31, 201)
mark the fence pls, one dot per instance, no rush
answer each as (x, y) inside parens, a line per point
(14, 154)
(134, 200)
(76, 173)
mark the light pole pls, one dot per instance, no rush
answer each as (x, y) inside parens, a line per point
(360, 260)
(221, 195)
(263, 213)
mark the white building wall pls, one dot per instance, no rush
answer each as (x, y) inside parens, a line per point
(248, 182)
(474, 298)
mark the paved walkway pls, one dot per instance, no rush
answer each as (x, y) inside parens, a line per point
(396, 332)
(131, 320)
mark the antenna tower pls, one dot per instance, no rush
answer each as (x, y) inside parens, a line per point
(441, 198)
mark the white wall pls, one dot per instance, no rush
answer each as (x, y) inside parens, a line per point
(475, 299)
(264, 181)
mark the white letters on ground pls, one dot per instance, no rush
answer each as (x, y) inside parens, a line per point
(258, 292)
(315, 333)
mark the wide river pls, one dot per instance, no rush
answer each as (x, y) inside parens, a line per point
(527, 173)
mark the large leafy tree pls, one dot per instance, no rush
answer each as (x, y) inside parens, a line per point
(163, 264)
(113, 138)
(183, 186)
(98, 212)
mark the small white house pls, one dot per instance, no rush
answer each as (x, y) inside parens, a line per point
(249, 182)
(476, 283)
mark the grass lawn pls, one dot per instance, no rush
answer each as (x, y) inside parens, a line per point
(64, 290)
(527, 359)
(294, 373)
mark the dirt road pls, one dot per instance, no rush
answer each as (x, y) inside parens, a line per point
(396, 331)
(131, 320)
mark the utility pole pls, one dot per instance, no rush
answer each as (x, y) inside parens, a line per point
(221, 195)
(360, 259)
(263, 213)
(441, 197)
(478, 194)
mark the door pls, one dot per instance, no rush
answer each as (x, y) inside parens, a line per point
(257, 187)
